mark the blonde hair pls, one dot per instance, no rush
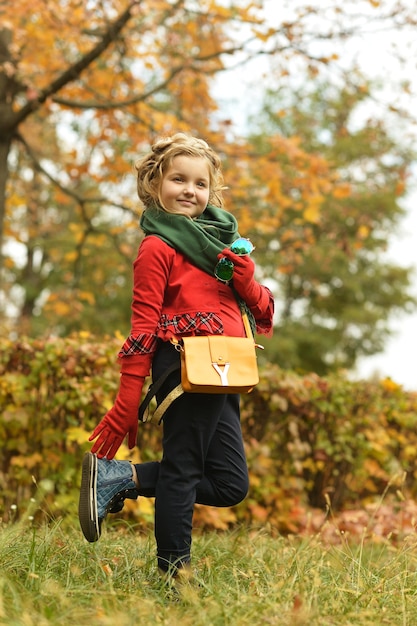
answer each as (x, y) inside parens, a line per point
(152, 167)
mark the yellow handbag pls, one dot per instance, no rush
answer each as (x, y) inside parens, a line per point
(209, 364)
(219, 364)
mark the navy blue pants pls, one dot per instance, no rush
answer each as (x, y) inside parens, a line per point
(203, 462)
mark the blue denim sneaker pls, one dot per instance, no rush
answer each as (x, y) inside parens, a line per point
(104, 486)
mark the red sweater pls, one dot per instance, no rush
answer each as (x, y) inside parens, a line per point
(173, 297)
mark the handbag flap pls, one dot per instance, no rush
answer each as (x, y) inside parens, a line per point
(219, 351)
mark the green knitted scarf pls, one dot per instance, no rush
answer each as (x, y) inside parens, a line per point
(200, 239)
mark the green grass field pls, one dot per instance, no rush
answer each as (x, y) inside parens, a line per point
(50, 575)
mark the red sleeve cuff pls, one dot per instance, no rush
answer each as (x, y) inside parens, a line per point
(263, 312)
(136, 364)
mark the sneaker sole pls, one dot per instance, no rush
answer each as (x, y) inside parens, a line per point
(87, 506)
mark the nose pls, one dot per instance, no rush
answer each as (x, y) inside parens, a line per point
(189, 189)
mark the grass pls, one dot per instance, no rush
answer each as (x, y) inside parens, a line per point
(50, 576)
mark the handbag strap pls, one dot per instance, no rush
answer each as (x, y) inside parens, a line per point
(246, 324)
(153, 390)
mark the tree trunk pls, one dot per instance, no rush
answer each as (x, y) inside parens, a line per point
(4, 153)
(8, 89)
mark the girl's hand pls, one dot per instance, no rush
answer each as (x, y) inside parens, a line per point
(244, 277)
(121, 420)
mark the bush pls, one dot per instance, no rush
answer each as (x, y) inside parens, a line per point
(310, 440)
(316, 442)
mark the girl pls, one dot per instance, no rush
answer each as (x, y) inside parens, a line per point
(176, 293)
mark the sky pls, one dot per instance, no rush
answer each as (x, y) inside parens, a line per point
(399, 359)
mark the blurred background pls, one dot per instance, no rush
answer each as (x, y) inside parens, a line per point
(312, 106)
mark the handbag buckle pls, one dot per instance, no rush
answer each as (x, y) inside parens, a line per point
(222, 371)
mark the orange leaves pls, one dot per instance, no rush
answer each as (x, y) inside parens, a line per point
(59, 307)
(213, 517)
(341, 190)
(286, 188)
(400, 188)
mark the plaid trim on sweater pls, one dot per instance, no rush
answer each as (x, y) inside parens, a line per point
(199, 323)
(144, 343)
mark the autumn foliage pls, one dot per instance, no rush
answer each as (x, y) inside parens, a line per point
(86, 87)
(312, 443)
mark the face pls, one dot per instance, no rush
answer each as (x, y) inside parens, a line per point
(185, 187)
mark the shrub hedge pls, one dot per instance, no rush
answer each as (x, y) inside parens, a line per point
(310, 441)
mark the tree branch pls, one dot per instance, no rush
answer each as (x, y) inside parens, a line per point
(120, 103)
(66, 190)
(106, 106)
(74, 71)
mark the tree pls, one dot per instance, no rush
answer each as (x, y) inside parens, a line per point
(138, 70)
(85, 87)
(336, 290)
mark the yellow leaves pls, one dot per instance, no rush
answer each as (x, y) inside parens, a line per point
(312, 212)
(65, 303)
(264, 36)
(8, 263)
(363, 231)
(410, 451)
(246, 220)
(274, 188)
(147, 507)
(379, 440)
(62, 308)
(374, 471)
(119, 336)
(71, 256)
(77, 434)
(78, 231)
(87, 296)
(266, 224)
(389, 385)
(289, 235)
(27, 461)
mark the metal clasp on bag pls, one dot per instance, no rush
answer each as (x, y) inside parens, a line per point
(177, 344)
